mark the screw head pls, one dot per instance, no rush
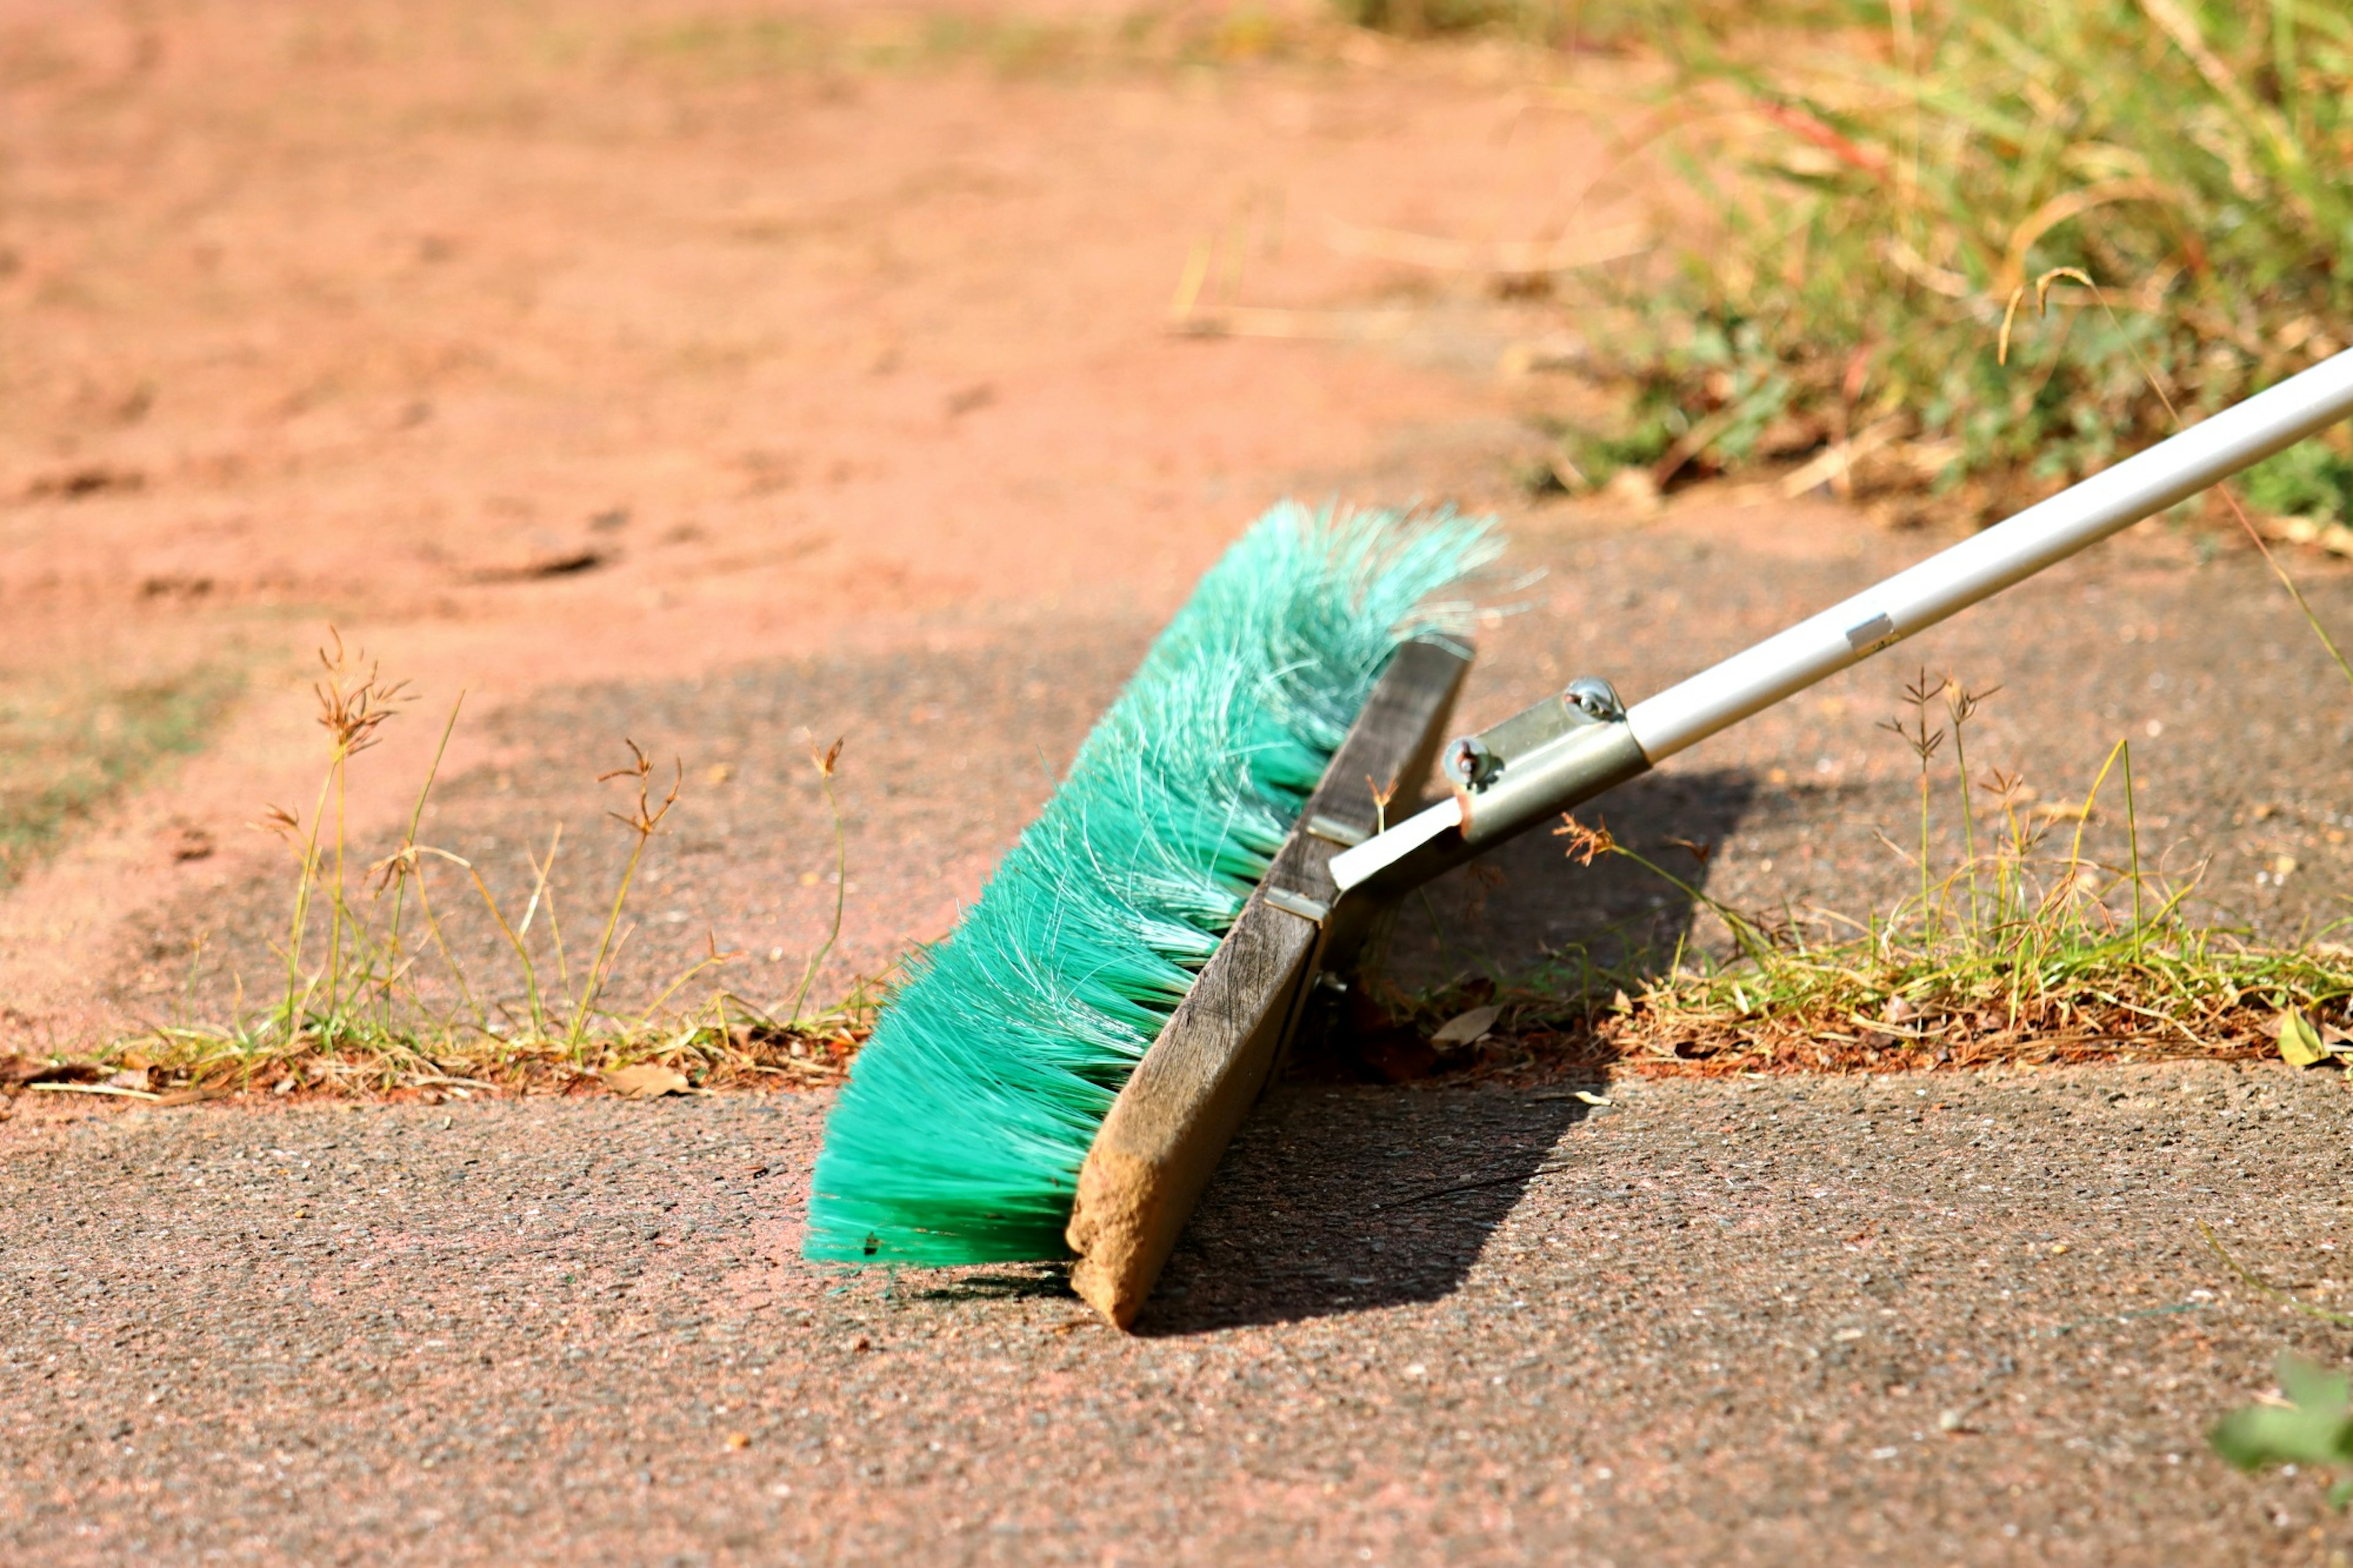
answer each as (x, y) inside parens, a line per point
(1595, 698)
(1470, 764)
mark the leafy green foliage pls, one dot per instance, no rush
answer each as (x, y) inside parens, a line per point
(2314, 1428)
(960, 1135)
(2310, 479)
(1885, 202)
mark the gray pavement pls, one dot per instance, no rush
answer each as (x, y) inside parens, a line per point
(1932, 1318)
(1776, 1321)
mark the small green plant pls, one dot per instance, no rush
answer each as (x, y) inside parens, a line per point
(354, 1012)
(2311, 1424)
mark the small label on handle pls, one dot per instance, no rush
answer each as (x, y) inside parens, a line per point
(1873, 635)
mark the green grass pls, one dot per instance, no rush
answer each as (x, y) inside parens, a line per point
(1890, 194)
(68, 752)
(2310, 1425)
(2028, 947)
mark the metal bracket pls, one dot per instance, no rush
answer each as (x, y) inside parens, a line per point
(1332, 830)
(1476, 763)
(1507, 778)
(1298, 904)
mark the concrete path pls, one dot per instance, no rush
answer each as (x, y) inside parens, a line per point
(1918, 1321)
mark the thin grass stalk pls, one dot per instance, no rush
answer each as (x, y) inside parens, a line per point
(1751, 938)
(521, 949)
(441, 942)
(715, 960)
(2303, 605)
(840, 882)
(1928, 924)
(409, 850)
(2229, 495)
(541, 871)
(291, 1015)
(606, 950)
(643, 824)
(555, 940)
(2075, 849)
(539, 874)
(1968, 816)
(2132, 839)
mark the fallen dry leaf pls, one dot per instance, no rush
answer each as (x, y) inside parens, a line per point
(2333, 537)
(195, 1095)
(2299, 1042)
(1465, 1027)
(646, 1080)
(15, 1070)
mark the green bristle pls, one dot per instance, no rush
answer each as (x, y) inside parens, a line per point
(959, 1136)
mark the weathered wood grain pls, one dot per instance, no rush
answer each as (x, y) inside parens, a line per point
(1170, 1125)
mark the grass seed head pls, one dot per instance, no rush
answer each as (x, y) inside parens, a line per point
(646, 818)
(1584, 843)
(354, 705)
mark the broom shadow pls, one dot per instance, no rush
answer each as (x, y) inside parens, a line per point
(1344, 1198)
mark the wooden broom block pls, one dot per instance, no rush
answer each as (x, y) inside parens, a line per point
(1156, 1151)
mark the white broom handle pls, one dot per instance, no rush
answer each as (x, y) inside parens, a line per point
(1587, 759)
(1987, 563)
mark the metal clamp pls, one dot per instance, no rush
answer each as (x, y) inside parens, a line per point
(1474, 764)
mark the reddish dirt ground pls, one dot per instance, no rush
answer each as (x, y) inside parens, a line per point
(581, 345)
(599, 361)
(735, 378)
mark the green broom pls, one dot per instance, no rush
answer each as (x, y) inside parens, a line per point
(1061, 1075)
(961, 1132)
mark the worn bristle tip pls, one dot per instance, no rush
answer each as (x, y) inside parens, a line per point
(959, 1136)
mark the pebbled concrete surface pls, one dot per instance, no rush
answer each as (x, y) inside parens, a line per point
(1775, 1322)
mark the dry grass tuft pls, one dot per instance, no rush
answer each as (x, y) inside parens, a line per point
(2030, 950)
(355, 1013)
(1884, 190)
